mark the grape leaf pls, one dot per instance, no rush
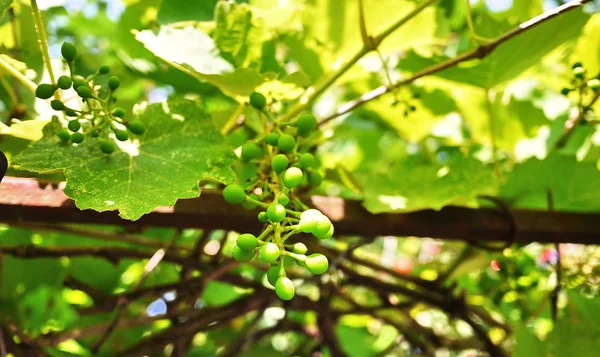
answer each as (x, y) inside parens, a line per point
(179, 148)
(4, 4)
(186, 10)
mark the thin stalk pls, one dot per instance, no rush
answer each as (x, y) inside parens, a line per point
(42, 38)
(5, 65)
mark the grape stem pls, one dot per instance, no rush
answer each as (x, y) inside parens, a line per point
(5, 65)
(43, 40)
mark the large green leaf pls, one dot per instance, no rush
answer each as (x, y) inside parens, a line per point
(179, 148)
(186, 10)
(4, 4)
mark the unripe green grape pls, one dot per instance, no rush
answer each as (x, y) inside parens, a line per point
(64, 82)
(283, 200)
(118, 112)
(273, 274)
(309, 220)
(258, 101)
(84, 92)
(71, 113)
(251, 151)
(323, 227)
(114, 83)
(315, 179)
(271, 139)
(284, 288)
(247, 241)
(74, 125)
(94, 133)
(594, 84)
(68, 51)
(306, 123)
(57, 105)
(306, 160)
(270, 252)
(329, 233)
(276, 212)
(79, 83)
(286, 143)
(104, 69)
(279, 163)
(577, 64)
(317, 263)
(579, 72)
(64, 135)
(136, 127)
(107, 147)
(45, 91)
(242, 255)
(262, 216)
(234, 194)
(77, 138)
(565, 91)
(121, 135)
(292, 177)
(299, 248)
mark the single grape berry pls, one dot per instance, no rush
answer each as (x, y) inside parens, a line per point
(271, 139)
(84, 92)
(44, 91)
(121, 135)
(323, 227)
(270, 252)
(317, 263)
(594, 84)
(136, 127)
(299, 248)
(234, 194)
(284, 288)
(107, 147)
(565, 91)
(579, 72)
(306, 123)
(577, 64)
(309, 220)
(273, 274)
(113, 83)
(104, 69)
(247, 241)
(242, 255)
(57, 105)
(286, 143)
(94, 133)
(279, 163)
(68, 51)
(258, 101)
(250, 151)
(283, 200)
(79, 83)
(315, 179)
(276, 212)
(74, 125)
(306, 160)
(119, 112)
(64, 82)
(77, 138)
(292, 177)
(262, 216)
(64, 135)
(71, 113)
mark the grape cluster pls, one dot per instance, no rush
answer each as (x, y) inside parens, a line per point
(100, 116)
(284, 166)
(581, 81)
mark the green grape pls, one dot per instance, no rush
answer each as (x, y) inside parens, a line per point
(57, 105)
(107, 147)
(317, 263)
(118, 112)
(306, 123)
(279, 163)
(579, 72)
(258, 101)
(309, 220)
(74, 125)
(292, 177)
(594, 84)
(79, 83)
(44, 91)
(565, 91)
(71, 113)
(104, 69)
(251, 151)
(242, 255)
(77, 138)
(262, 216)
(271, 139)
(234, 194)
(114, 83)
(249, 204)
(121, 135)
(284, 288)
(276, 212)
(577, 64)
(247, 241)
(323, 227)
(315, 179)
(299, 248)
(283, 200)
(136, 127)
(84, 92)
(94, 133)
(68, 51)
(273, 274)
(270, 252)
(286, 143)
(64, 135)
(306, 160)
(64, 82)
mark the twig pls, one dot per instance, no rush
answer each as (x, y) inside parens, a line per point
(42, 39)
(28, 83)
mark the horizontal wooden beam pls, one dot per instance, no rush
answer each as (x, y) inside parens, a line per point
(23, 200)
